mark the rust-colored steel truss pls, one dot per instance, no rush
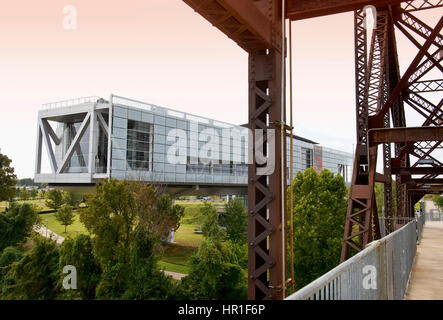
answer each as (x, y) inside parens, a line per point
(381, 95)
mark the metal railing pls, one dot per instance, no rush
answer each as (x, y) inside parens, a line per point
(70, 102)
(421, 220)
(434, 215)
(380, 272)
(119, 100)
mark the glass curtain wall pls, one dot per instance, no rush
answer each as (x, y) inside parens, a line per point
(139, 146)
(80, 159)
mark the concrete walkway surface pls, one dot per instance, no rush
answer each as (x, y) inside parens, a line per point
(49, 234)
(426, 282)
(175, 275)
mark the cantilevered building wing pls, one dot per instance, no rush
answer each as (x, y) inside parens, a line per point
(77, 146)
(90, 139)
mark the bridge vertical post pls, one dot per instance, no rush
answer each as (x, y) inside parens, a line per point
(264, 190)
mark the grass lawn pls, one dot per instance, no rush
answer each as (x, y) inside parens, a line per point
(185, 236)
(175, 258)
(173, 267)
(191, 220)
(189, 203)
(39, 203)
(73, 230)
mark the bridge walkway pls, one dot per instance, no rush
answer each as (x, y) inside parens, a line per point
(426, 282)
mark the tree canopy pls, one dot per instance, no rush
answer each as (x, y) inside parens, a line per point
(438, 200)
(217, 267)
(79, 253)
(71, 199)
(54, 199)
(320, 203)
(8, 179)
(128, 221)
(16, 224)
(235, 219)
(35, 275)
(65, 215)
(215, 273)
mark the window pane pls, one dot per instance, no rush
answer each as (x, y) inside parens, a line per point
(139, 145)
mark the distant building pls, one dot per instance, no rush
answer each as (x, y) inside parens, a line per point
(91, 139)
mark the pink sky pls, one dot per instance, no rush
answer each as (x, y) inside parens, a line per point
(161, 51)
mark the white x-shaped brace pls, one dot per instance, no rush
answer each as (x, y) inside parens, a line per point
(48, 134)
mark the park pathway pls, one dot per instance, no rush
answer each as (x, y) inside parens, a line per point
(426, 281)
(49, 234)
(175, 275)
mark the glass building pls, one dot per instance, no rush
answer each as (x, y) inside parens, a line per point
(89, 139)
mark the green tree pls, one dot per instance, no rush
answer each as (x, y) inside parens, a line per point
(35, 276)
(111, 216)
(118, 207)
(146, 280)
(24, 194)
(124, 217)
(33, 193)
(79, 253)
(54, 199)
(319, 216)
(380, 197)
(217, 267)
(71, 199)
(240, 250)
(438, 200)
(8, 179)
(65, 216)
(235, 219)
(41, 194)
(215, 273)
(16, 224)
(7, 257)
(155, 213)
(211, 222)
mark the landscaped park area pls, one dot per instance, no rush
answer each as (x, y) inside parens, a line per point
(175, 256)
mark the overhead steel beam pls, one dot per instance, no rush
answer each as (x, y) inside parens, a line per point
(417, 170)
(242, 21)
(415, 5)
(431, 189)
(304, 9)
(425, 181)
(396, 135)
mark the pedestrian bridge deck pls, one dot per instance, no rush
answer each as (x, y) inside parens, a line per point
(426, 282)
